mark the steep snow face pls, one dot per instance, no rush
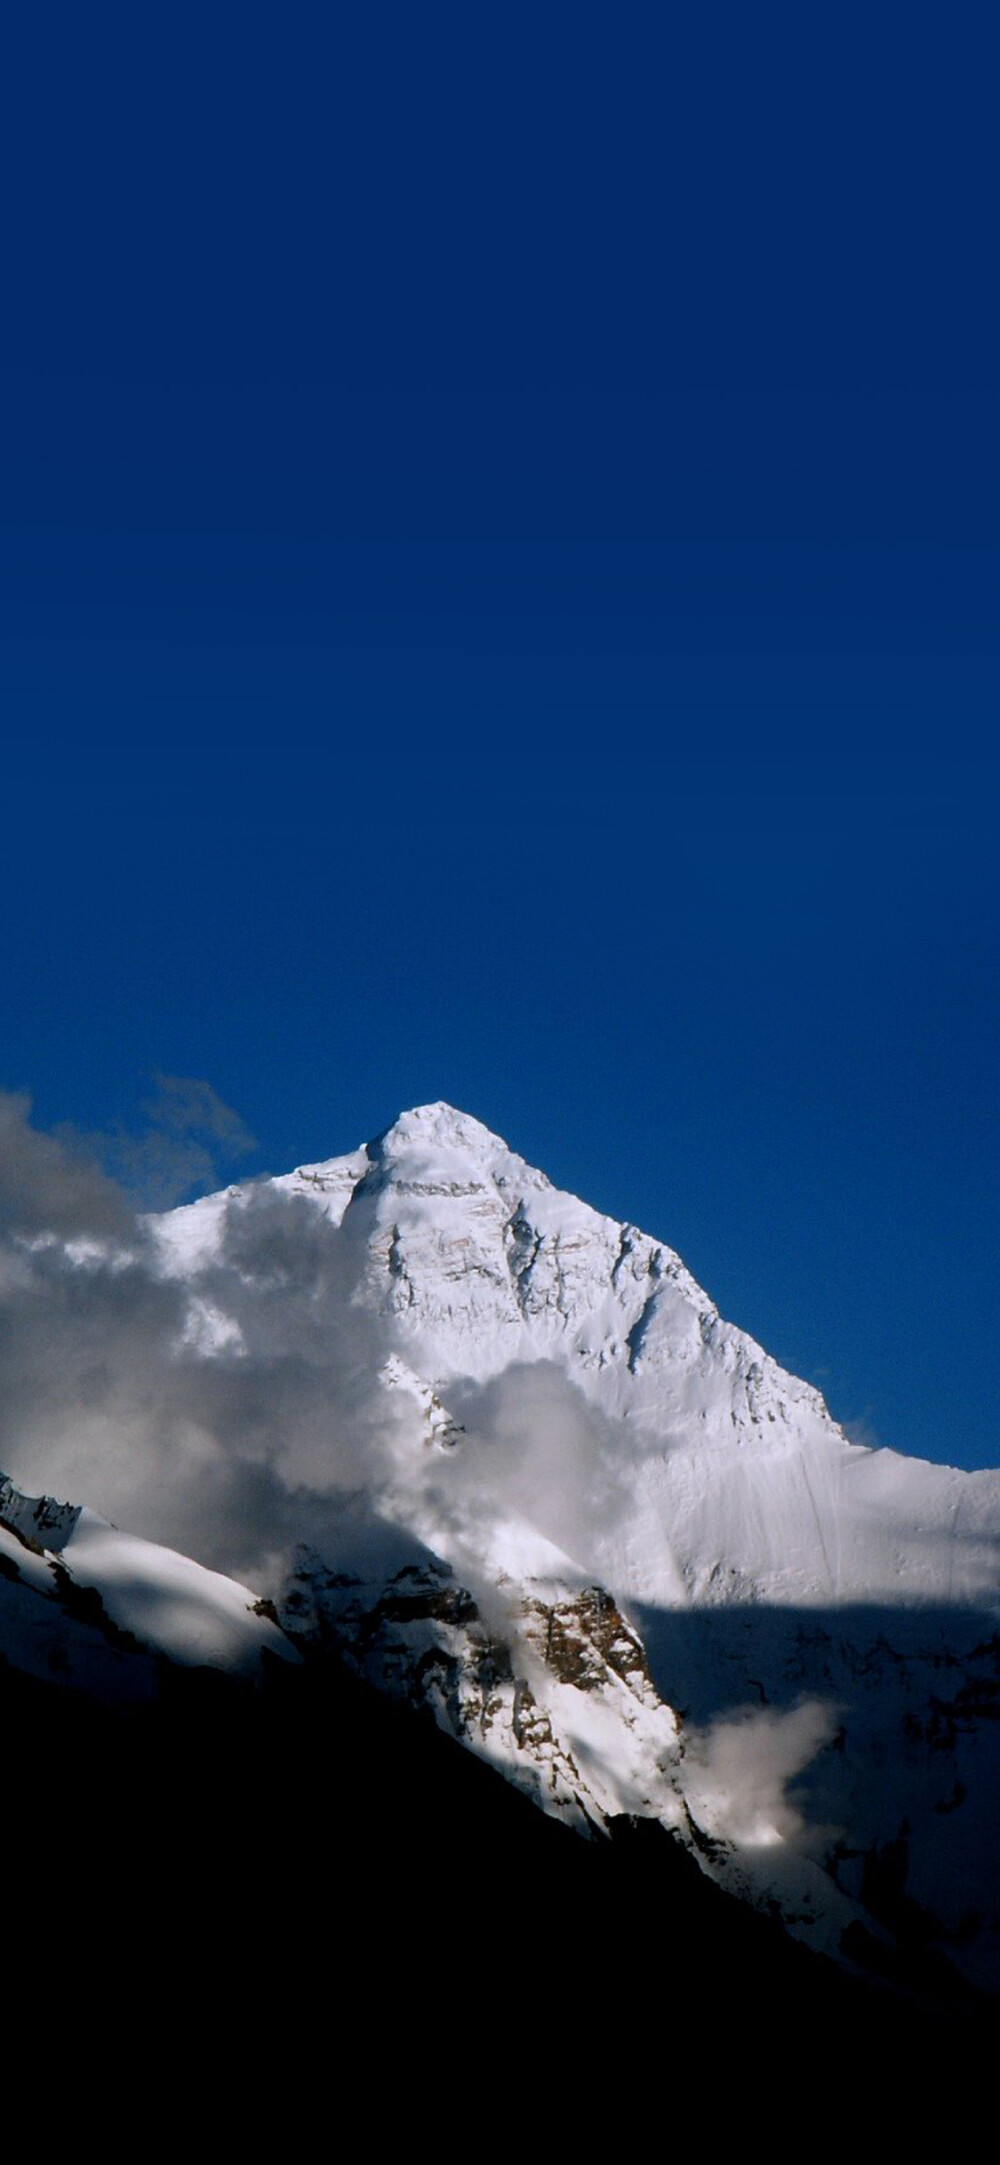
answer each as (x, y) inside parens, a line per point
(538, 1420)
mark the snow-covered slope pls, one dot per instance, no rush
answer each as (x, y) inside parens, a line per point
(615, 1547)
(87, 1606)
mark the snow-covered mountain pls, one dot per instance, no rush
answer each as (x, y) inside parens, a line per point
(504, 1457)
(617, 1549)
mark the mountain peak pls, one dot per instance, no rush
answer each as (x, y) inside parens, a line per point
(439, 1124)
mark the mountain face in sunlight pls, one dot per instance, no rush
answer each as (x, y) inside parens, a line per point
(421, 1416)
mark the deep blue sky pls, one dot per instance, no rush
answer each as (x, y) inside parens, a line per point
(499, 600)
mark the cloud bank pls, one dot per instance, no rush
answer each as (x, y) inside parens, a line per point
(104, 1397)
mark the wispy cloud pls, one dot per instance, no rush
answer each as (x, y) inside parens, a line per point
(863, 1430)
(190, 1141)
(740, 1773)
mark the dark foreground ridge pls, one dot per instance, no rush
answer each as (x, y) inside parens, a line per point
(319, 1867)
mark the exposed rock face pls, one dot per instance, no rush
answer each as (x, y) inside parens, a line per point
(39, 1522)
(511, 1691)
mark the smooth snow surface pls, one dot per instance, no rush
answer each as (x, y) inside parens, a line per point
(166, 1604)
